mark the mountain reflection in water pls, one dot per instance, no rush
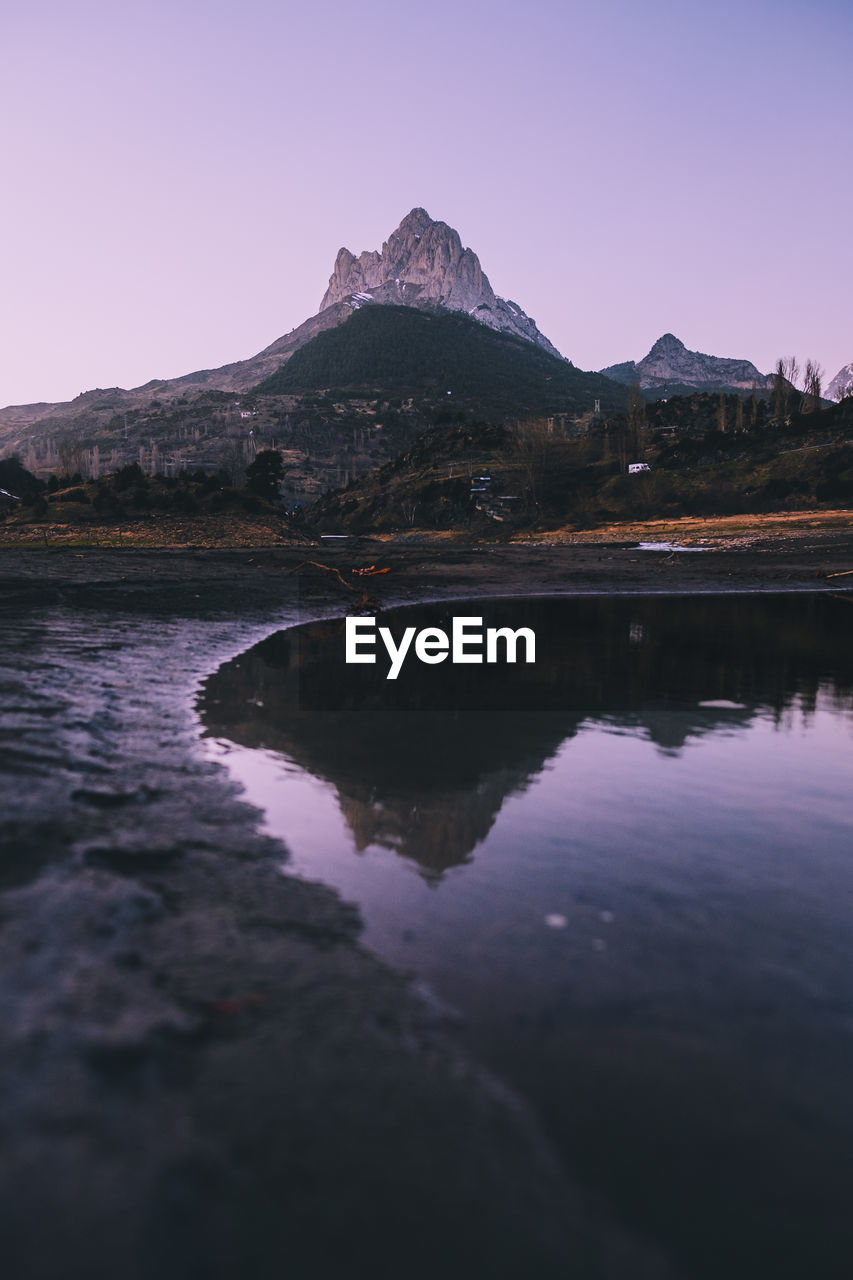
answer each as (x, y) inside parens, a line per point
(634, 880)
(422, 765)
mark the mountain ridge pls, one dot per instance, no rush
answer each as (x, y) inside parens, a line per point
(671, 365)
(437, 274)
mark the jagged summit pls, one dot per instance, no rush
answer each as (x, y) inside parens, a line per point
(670, 365)
(423, 264)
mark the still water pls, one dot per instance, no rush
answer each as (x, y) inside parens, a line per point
(629, 871)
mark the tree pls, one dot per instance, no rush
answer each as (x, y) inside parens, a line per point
(70, 457)
(129, 476)
(533, 447)
(784, 379)
(636, 417)
(265, 473)
(812, 382)
(409, 507)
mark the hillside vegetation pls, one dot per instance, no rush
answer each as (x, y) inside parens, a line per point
(384, 348)
(496, 480)
(128, 507)
(349, 400)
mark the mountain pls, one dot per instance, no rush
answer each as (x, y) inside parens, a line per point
(423, 264)
(841, 385)
(671, 368)
(445, 358)
(238, 377)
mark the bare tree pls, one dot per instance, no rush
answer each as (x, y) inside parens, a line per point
(409, 508)
(533, 447)
(779, 390)
(636, 417)
(785, 377)
(70, 457)
(812, 383)
(232, 460)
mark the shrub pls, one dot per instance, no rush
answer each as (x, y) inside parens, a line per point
(265, 473)
(129, 476)
(105, 500)
(836, 489)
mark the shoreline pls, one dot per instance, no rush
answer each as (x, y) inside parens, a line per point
(229, 532)
(230, 580)
(173, 1000)
(193, 1039)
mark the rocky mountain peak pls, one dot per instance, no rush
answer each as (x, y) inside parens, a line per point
(415, 223)
(424, 264)
(841, 385)
(671, 365)
(668, 344)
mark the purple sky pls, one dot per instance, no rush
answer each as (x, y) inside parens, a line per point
(178, 176)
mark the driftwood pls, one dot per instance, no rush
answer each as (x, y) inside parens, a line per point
(363, 597)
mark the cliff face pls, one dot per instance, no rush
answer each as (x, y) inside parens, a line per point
(423, 264)
(670, 364)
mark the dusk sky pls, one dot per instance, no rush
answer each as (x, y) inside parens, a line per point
(179, 176)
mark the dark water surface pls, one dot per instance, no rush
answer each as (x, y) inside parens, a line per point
(629, 868)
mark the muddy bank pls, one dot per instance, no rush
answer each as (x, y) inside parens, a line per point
(245, 581)
(207, 1075)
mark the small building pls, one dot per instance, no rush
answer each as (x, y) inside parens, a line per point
(634, 467)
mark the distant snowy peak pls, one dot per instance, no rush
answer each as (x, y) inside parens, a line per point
(841, 385)
(670, 364)
(423, 264)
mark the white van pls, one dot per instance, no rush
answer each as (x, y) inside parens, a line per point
(634, 467)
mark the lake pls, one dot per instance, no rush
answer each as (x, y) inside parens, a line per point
(626, 870)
